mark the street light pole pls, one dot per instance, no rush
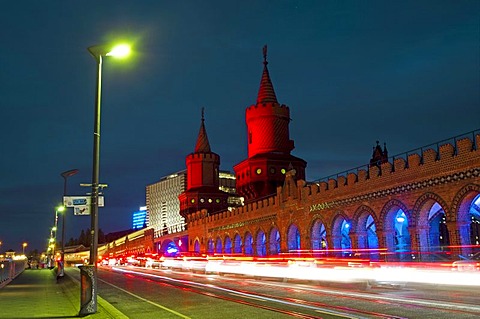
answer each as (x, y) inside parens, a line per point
(65, 175)
(98, 52)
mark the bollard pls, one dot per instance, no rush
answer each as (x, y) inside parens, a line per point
(88, 287)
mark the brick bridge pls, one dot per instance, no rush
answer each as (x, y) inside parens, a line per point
(419, 205)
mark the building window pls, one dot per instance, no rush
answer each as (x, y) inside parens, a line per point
(258, 171)
(272, 170)
(202, 200)
(217, 200)
(192, 201)
(210, 200)
(283, 170)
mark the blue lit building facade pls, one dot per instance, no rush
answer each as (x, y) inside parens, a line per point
(140, 218)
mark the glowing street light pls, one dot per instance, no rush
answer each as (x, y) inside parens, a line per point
(24, 245)
(98, 52)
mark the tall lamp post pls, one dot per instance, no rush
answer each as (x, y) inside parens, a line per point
(24, 245)
(89, 306)
(62, 209)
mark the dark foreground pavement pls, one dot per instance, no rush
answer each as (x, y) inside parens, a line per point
(36, 294)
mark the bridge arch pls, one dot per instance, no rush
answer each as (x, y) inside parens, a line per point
(365, 223)
(248, 244)
(237, 244)
(227, 245)
(218, 245)
(196, 245)
(341, 234)
(318, 235)
(274, 241)
(430, 211)
(260, 243)
(293, 238)
(466, 208)
(396, 220)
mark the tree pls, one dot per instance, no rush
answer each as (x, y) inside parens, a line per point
(101, 236)
(82, 240)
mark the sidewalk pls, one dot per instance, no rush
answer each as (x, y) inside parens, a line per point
(36, 294)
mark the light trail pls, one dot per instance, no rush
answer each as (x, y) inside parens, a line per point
(340, 312)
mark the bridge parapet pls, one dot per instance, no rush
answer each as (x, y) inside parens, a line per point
(409, 169)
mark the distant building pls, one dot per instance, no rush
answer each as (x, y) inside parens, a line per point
(163, 205)
(140, 218)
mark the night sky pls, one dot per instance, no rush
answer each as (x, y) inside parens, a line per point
(352, 72)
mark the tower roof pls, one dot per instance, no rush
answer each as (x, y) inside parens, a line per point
(202, 146)
(266, 92)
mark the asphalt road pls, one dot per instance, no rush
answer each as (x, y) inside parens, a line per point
(147, 293)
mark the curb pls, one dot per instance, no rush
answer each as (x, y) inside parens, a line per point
(103, 306)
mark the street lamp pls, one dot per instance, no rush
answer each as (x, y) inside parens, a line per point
(65, 175)
(61, 209)
(24, 245)
(98, 52)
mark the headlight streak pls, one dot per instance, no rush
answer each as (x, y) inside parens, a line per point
(245, 295)
(395, 300)
(421, 303)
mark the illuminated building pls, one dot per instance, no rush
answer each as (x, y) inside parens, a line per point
(140, 218)
(203, 185)
(163, 205)
(269, 144)
(419, 205)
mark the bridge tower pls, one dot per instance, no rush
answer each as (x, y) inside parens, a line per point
(269, 144)
(202, 179)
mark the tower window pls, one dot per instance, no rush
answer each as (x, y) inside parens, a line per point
(258, 171)
(249, 137)
(283, 170)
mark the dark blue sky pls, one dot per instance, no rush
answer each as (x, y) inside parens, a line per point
(352, 72)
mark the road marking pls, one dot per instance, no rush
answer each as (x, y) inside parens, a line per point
(146, 300)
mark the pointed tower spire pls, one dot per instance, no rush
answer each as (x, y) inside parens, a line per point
(266, 92)
(202, 146)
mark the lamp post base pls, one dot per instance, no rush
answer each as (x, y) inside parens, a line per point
(88, 290)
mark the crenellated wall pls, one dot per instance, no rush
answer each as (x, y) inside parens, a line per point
(411, 183)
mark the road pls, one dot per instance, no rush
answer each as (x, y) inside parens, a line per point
(155, 293)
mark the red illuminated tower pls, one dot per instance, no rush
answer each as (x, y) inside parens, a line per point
(269, 144)
(202, 179)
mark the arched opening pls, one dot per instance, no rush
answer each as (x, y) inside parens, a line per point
(438, 237)
(228, 245)
(468, 221)
(318, 237)
(274, 241)
(237, 244)
(293, 238)
(248, 244)
(367, 235)
(401, 236)
(372, 238)
(261, 244)
(475, 223)
(341, 238)
(196, 246)
(218, 246)
(210, 246)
